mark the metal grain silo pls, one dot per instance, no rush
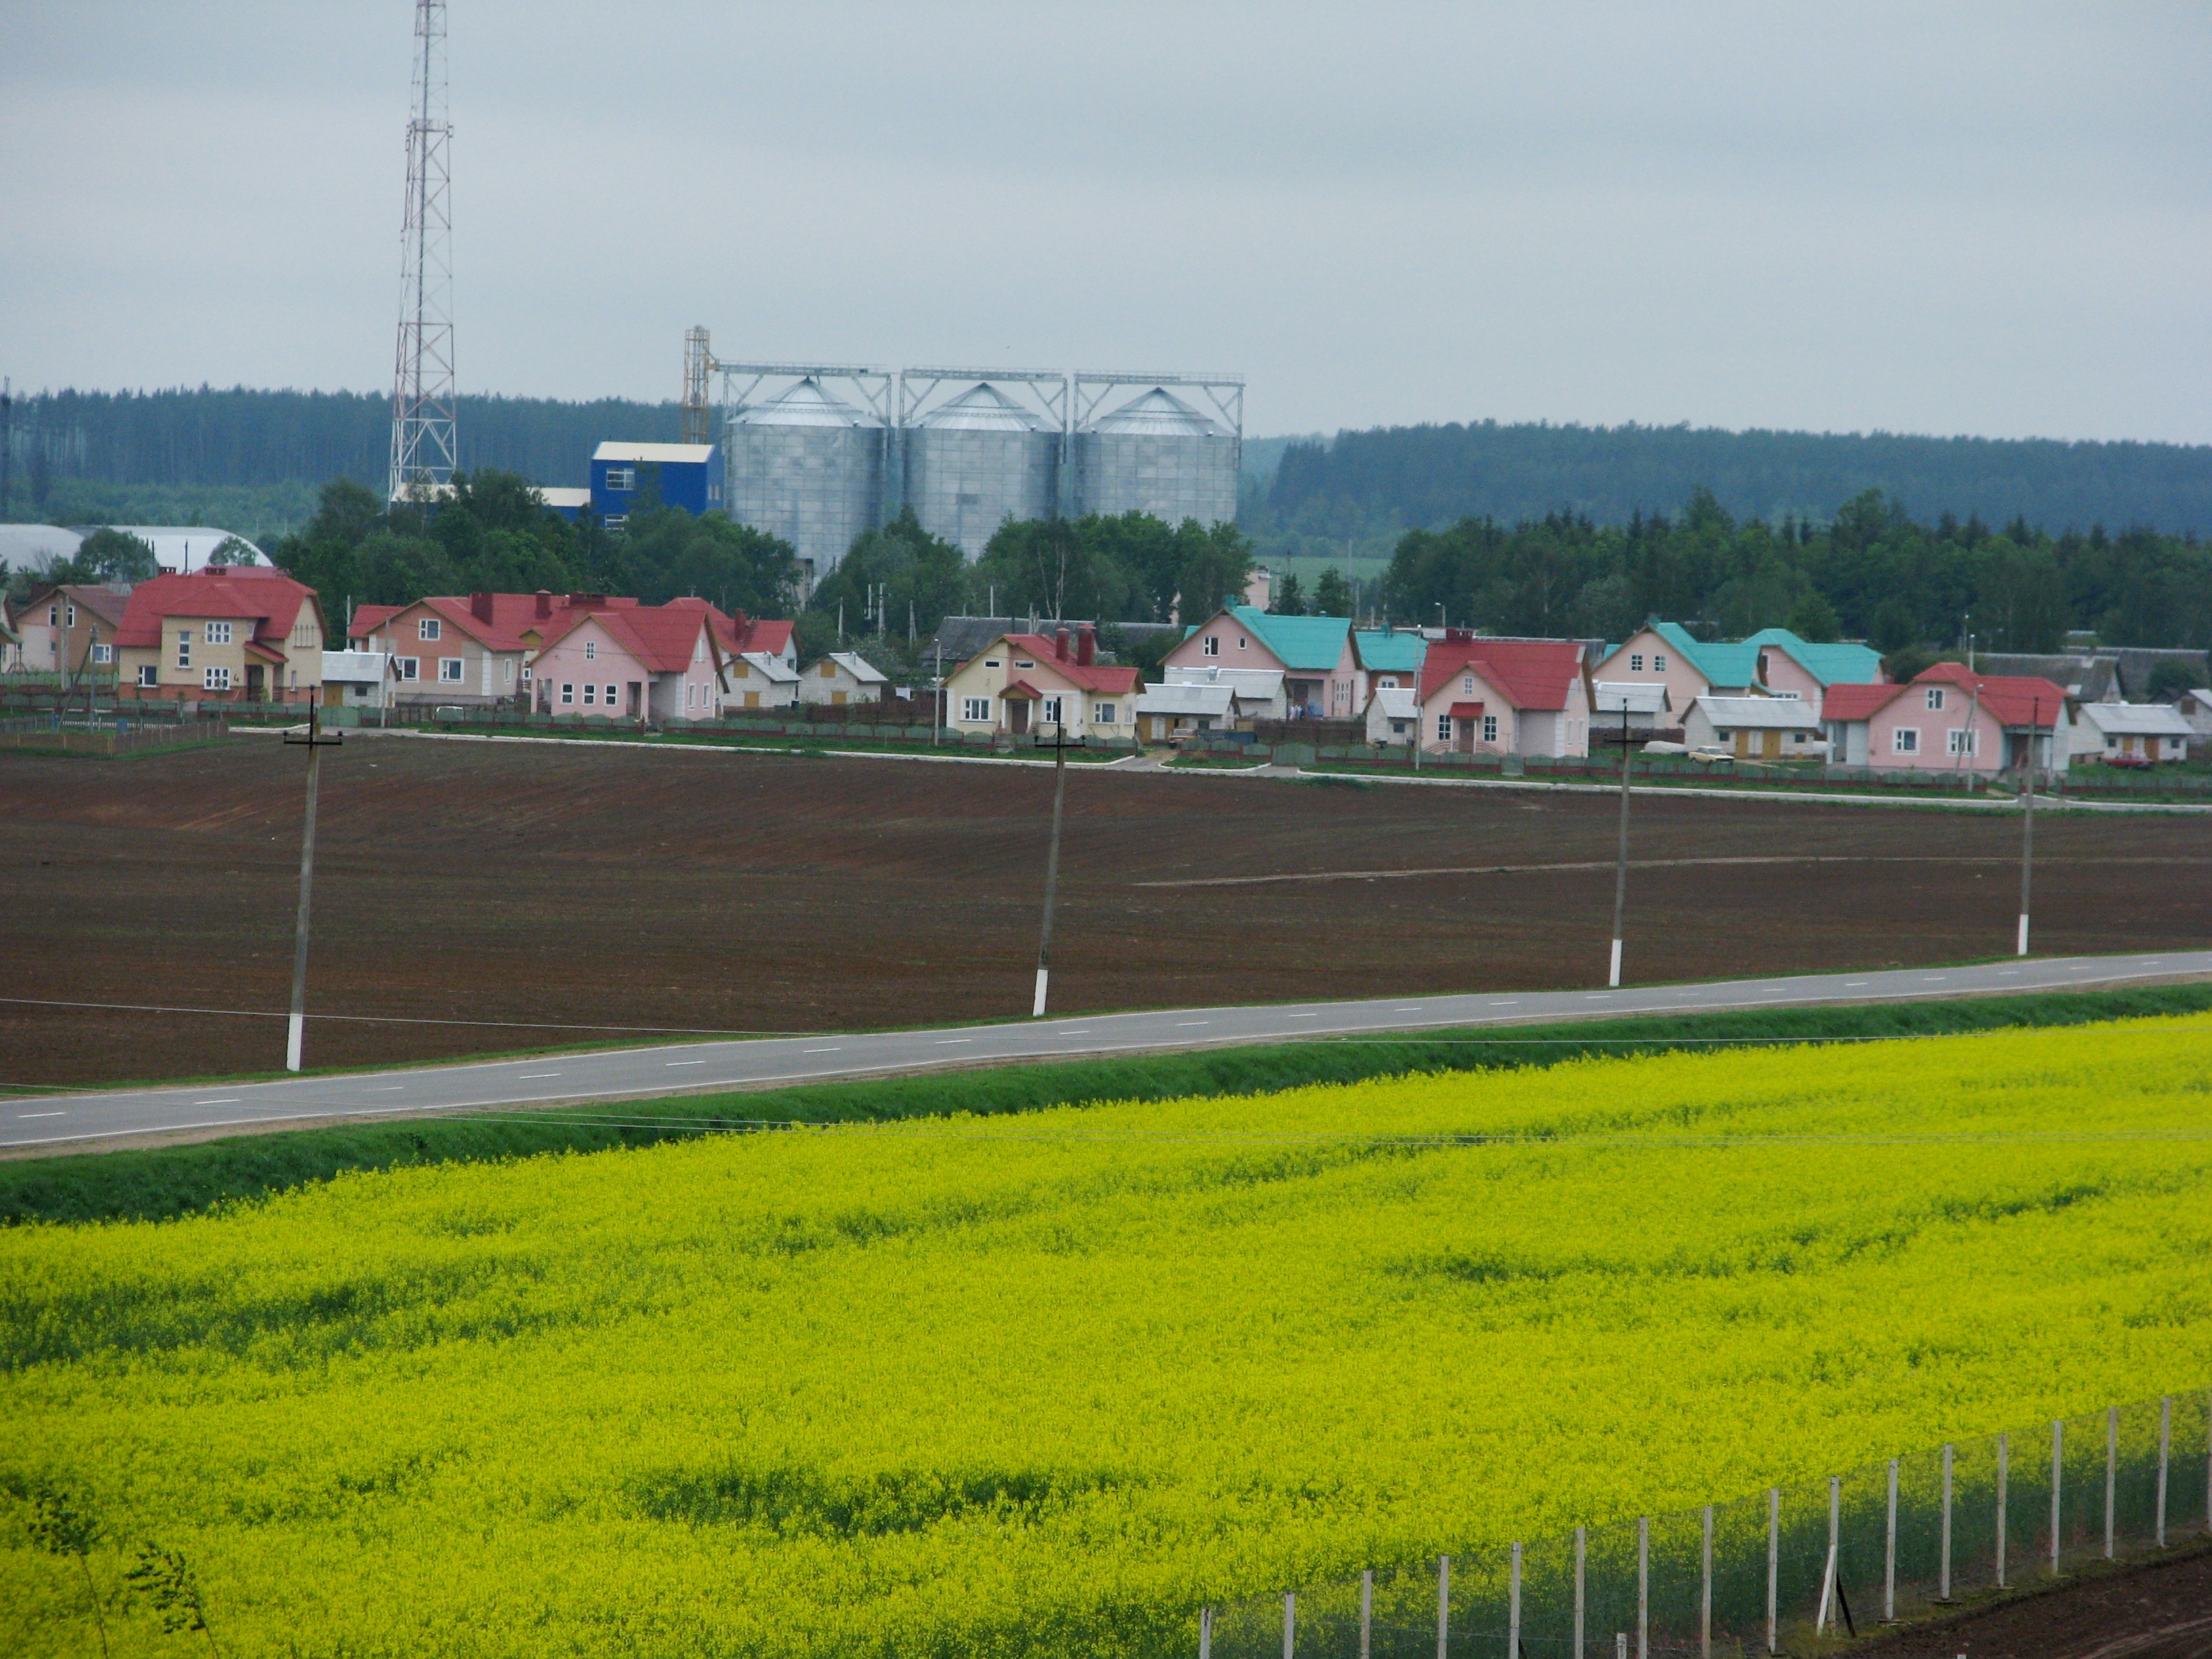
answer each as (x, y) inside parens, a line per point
(1156, 454)
(808, 466)
(977, 460)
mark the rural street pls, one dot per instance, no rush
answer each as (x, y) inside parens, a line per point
(693, 1067)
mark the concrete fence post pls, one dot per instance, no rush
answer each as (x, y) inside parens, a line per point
(1367, 1614)
(1444, 1606)
(1290, 1624)
(2165, 1459)
(1642, 1587)
(1889, 1554)
(2057, 1470)
(1706, 1590)
(1943, 1571)
(2111, 1471)
(2004, 1475)
(1513, 1609)
(1205, 1633)
(1581, 1586)
(1773, 1563)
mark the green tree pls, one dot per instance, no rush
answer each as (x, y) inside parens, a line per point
(1331, 594)
(1056, 568)
(1216, 565)
(113, 555)
(913, 570)
(1287, 598)
(738, 568)
(1813, 619)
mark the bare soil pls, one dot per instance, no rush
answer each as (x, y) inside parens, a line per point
(2161, 1611)
(538, 883)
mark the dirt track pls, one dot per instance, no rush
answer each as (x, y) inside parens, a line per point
(2163, 1611)
(753, 892)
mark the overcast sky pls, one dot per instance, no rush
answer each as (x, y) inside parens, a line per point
(1991, 219)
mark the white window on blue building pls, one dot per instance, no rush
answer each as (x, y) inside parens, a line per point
(622, 477)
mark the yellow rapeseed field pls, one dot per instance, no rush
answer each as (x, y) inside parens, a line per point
(1041, 1384)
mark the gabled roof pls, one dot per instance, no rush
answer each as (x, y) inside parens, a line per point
(256, 592)
(1766, 713)
(515, 624)
(2011, 699)
(1397, 702)
(2091, 677)
(659, 638)
(770, 666)
(1837, 662)
(1856, 703)
(1527, 673)
(109, 605)
(853, 663)
(1096, 677)
(1259, 684)
(1389, 650)
(744, 635)
(2151, 719)
(1303, 644)
(1214, 701)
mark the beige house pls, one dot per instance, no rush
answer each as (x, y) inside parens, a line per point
(1025, 683)
(234, 633)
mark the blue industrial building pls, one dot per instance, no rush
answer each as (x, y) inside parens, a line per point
(689, 476)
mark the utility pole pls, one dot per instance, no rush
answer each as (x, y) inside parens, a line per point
(1051, 865)
(2027, 823)
(937, 728)
(1620, 867)
(316, 740)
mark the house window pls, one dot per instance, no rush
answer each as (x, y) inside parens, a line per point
(990, 662)
(148, 674)
(1049, 713)
(525, 673)
(1659, 662)
(53, 616)
(410, 668)
(568, 691)
(103, 653)
(622, 477)
(218, 633)
(449, 669)
(1906, 740)
(975, 709)
(1212, 644)
(72, 617)
(427, 629)
(616, 521)
(1489, 728)
(507, 675)
(1386, 682)
(1105, 714)
(610, 698)
(1963, 740)
(215, 679)
(1024, 662)
(590, 694)
(1466, 686)
(1241, 642)
(1443, 728)
(183, 647)
(1636, 662)
(591, 650)
(1935, 697)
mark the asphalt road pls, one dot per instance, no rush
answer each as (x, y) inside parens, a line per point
(693, 1067)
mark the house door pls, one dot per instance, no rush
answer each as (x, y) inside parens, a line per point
(333, 696)
(636, 698)
(1018, 715)
(253, 677)
(1464, 732)
(1770, 745)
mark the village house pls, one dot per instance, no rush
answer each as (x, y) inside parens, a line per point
(1023, 683)
(1504, 696)
(1755, 728)
(1393, 715)
(1255, 694)
(69, 628)
(356, 679)
(626, 661)
(2196, 707)
(2131, 732)
(1182, 709)
(1314, 655)
(1772, 662)
(759, 679)
(842, 677)
(1950, 719)
(231, 633)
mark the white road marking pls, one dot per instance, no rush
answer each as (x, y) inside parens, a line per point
(684, 1062)
(1305, 1016)
(821, 1051)
(941, 1042)
(527, 1075)
(1081, 1031)
(1409, 1008)
(1510, 1002)
(1932, 978)
(24, 1114)
(1854, 984)
(385, 1089)
(1181, 1022)
(228, 1100)
(2007, 972)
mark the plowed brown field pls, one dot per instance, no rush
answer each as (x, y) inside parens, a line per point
(538, 882)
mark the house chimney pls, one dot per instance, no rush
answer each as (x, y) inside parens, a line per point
(1060, 644)
(545, 603)
(480, 606)
(1086, 646)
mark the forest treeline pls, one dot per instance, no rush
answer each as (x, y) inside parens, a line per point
(1360, 491)
(1871, 573)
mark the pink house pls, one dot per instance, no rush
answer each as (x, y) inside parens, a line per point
(1321, 675)
(632, 661)
(1504, 696)
(1950, 719)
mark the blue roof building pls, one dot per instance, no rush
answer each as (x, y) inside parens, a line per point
(689, 476)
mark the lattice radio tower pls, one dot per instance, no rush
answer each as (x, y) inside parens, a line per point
(422, 450)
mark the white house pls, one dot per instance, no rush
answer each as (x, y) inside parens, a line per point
(2133, 731)
(1259, 693)
(357, 679)
(758, 679)
(1177, 709)
(2196, 707)
(840, 677)
(1755, 728)
(1393, 715)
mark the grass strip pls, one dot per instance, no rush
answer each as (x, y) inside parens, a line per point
(161, 1182)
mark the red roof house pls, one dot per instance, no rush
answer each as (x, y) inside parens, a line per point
(1504, 696)
(1022, 682)
(231, 632)
(1950, 719)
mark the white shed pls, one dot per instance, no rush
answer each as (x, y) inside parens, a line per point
(1755, 728)
(1393, 715)
(840, 677)
(357, 679)
(2134, 732)
(1175, 709)
(760, 679)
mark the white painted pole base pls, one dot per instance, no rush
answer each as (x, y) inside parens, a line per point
(1613, 978)
(298, 1024)
(1037, 1011)
(2021, 949)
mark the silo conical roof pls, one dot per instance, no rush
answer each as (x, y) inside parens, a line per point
(981, 407)
(1159, 413)
(807, 404)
